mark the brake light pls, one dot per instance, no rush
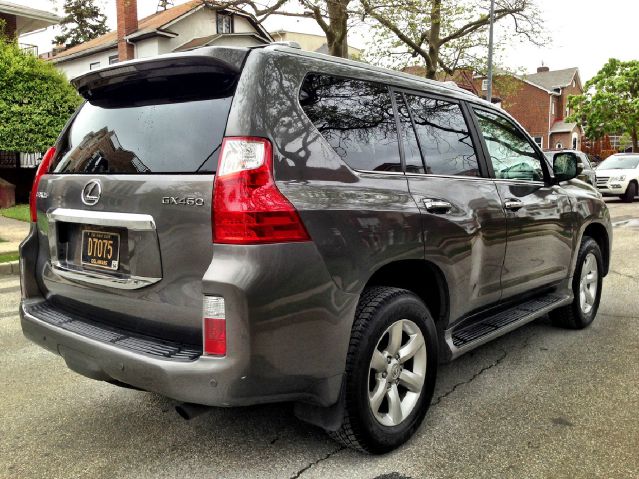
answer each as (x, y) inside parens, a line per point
(214, 326)
(247, 206)
(42, 170)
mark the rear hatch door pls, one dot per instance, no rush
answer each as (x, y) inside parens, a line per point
(125, 213)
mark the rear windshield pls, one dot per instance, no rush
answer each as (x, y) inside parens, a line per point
(148, 129)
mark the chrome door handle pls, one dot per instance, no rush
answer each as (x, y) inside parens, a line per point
(513, 204)
(437, 206)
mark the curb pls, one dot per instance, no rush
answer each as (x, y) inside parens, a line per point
(12, 267)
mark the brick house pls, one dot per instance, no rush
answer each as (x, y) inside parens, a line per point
(539, 101)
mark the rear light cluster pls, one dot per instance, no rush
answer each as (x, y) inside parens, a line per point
(214, 326)
(247, 206)
(42, 170)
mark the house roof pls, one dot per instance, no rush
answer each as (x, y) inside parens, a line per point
(563, 127)
(211, 39)
(28, 19)
(553, 79)
(152, 25)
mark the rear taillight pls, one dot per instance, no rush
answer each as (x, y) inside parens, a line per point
(247, 206)
(42, 170)
(214, 326)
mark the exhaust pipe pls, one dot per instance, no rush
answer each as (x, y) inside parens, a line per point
(189, 410)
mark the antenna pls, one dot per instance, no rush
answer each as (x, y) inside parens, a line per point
(163, 5)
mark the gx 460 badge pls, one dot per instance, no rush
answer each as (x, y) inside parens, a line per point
(188, 201)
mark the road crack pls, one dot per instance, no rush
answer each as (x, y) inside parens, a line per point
(623, 275)
(306, 468)
(475, 376)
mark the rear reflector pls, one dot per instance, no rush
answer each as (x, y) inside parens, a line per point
(42, 170)
(247, 206)
(214, 326)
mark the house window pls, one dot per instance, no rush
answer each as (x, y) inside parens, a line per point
(113, 59)
(559, 146)
(224, 23)
(94, 65)
(484, 84)
(552, 108)
(539, 140)
(567, 112)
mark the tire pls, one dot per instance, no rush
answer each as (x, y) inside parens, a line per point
(631, 192)
(576, 315)
(371, 373)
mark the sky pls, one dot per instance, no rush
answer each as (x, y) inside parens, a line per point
(584, 33)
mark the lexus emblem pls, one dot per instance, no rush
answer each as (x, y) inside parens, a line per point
(91, 193)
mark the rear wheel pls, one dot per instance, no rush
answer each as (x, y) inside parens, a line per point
(631, 192)
(586, 287)
(390, 370)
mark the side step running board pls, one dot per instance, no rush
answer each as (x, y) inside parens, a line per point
(462, 339)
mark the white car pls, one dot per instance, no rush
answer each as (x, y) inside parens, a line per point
(618, 175)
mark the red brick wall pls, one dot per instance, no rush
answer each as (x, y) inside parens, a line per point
(564, 138)
(569, 90)
(10, 24)
(127, 13)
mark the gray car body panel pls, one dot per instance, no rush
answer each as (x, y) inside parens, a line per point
(290, 307)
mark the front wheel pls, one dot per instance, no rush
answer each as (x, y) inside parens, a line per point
(390, 370)
(586, 287)
(631, 192)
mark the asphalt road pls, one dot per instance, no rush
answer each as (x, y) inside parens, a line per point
(539, 402)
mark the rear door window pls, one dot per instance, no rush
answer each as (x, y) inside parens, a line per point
(139, 130)
(443, 136)
(356, 118)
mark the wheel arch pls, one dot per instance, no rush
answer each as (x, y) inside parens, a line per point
(599, 233)
(420, 276)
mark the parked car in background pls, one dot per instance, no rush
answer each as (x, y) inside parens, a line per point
(237, 226)
(618, 175)
(587, 174)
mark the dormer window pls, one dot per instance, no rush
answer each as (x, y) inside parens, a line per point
(224, 23)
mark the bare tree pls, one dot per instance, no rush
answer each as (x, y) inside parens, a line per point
(446, 34)
(331, 15)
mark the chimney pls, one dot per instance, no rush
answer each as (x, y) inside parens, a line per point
(542, 69)
(127, 13)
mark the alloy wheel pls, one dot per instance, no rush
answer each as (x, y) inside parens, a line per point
(397, 372)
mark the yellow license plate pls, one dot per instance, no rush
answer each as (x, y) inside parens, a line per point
(101, 249)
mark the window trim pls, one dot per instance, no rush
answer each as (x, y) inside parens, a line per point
(222, 13)
(540, 155)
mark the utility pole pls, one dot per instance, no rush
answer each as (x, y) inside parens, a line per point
(489, 93)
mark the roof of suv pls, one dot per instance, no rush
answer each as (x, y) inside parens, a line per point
(375, 73)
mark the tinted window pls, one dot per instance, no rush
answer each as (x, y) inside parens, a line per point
(511, 154)
(140, 130)
(412, 155)
(356, 119)
(443, 136)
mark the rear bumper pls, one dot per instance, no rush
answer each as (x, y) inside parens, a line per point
(288, 328)
(206, 380)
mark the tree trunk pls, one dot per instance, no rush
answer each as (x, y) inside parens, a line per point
(635, 145)
(433, 44)
(338, 23)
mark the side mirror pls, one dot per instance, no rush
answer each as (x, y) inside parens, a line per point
(566, 166)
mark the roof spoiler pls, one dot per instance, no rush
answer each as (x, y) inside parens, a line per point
(210, 60)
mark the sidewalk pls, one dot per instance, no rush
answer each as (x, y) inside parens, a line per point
(12, 232)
